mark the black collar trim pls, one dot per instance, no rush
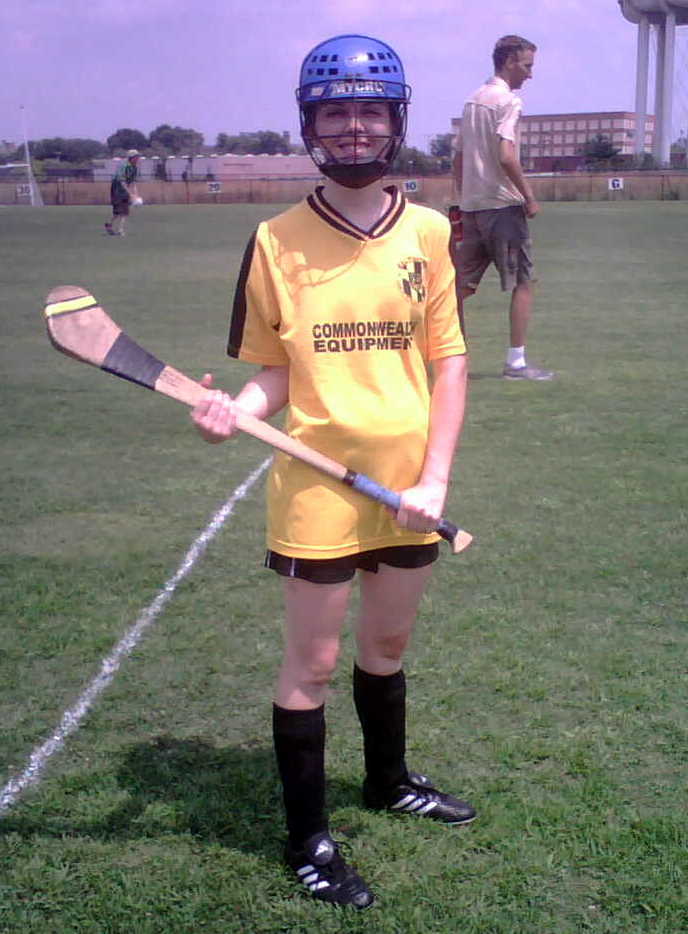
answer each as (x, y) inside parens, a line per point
(330, 215)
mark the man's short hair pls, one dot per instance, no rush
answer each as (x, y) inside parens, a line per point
(510, 45)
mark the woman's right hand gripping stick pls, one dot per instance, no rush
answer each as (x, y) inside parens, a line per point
(215, 414)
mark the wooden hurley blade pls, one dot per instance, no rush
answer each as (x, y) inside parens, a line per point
(78, 326)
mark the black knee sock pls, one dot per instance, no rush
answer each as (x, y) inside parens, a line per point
(381, 706)
(299, 737)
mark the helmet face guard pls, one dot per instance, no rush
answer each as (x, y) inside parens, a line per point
(354, 69)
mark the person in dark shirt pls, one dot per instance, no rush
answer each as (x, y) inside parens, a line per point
(123, 192)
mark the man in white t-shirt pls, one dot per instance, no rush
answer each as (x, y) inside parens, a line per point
(495, 197)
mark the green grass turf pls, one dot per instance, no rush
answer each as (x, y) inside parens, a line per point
(547, 678)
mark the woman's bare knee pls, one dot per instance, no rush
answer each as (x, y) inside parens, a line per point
(380, 651)
(388, 646)
(304, 679)
(319, 671)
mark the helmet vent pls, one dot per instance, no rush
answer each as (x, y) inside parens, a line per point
(372, 69)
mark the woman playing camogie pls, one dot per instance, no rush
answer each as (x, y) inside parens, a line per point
(343, 302)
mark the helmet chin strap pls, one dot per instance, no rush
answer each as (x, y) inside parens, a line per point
(354, 176)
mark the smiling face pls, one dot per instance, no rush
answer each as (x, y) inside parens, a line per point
(353, 131)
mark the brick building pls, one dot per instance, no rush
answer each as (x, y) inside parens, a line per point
(551, 142)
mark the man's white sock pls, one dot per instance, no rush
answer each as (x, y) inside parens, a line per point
(516, 357)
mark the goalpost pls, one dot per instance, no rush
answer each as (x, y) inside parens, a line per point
(26, 188)
(34, 191)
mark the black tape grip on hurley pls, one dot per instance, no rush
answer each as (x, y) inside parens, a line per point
(130, 361)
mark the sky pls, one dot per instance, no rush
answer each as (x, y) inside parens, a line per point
(85, 68)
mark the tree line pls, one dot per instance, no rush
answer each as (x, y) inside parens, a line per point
(166, 140)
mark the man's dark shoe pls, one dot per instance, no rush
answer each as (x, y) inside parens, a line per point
(417, 795)
(320, 867)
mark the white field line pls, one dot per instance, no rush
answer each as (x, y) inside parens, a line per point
(72, 718)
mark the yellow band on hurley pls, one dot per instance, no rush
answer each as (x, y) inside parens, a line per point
(72, 304)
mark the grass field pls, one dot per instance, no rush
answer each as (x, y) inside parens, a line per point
(548, 678)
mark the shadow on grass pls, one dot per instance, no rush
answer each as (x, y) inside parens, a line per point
(227, 795)
(496, 375)
(230, 796)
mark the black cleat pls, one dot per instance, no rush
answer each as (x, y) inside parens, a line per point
(418, 796)
(322, 870)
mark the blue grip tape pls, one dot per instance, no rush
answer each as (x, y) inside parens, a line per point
(375, 491)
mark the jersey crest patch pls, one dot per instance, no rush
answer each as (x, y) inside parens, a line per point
(412, 278)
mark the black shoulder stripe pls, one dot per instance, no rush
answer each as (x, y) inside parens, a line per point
(238, 318)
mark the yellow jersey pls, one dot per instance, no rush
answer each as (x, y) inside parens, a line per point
(357, 316)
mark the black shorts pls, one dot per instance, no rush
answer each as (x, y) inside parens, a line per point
(338, 570)
(120, 208)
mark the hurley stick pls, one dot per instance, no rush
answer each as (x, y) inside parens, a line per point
(80, 328)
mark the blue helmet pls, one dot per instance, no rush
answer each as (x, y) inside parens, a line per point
(352, 68)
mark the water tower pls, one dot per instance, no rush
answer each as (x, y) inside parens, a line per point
(664, 16)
